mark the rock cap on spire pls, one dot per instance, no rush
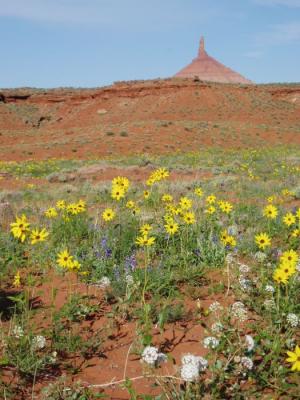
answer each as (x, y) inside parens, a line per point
(201, 47)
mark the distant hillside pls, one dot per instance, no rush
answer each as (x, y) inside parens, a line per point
(155, 116)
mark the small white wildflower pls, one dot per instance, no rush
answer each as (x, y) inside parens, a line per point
(210, 342)
(129, 279)
(151, 356)
(189, 359)
(244, 283)
(260, 256)
(269, 289)
(189, 372)
(249, 342)
(200, 362)
(292, 320)
(53, 356)
(215, 306)
(229, 258)
(18, 331)
(38, 342)
(269, 304)
(104, 282)
(247, 363)
(243, 268)
(217, 327)
(238, 311)
(237, 305)
(298, 266)
(233, 230)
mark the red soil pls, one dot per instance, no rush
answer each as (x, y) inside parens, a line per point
(152, 117)
(177, 338)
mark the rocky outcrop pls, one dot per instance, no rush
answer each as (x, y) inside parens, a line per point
(206, 68)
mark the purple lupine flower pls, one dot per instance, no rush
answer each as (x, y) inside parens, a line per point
(130, 263)
(108, 253)
(97, 254)
(104, 243)
(215, 239)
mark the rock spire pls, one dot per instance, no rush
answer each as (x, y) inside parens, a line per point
(201, 50)
(206, 68)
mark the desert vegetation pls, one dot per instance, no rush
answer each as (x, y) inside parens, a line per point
(151, 277)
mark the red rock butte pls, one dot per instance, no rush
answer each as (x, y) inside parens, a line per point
(206, 68)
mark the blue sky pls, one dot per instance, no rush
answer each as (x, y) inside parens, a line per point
(87, 43)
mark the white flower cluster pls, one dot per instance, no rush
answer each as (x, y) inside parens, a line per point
(18, 331)
(104, 282)
(192, 366)
(245, 283)
(215, 306)
(247, 363)
(238, 311)
(129, 279)
(38, 342)
(237, 305)
(292, 320)
(217, 328)
(189, 372)
(249, 342)
(233, 230)
(260, 256)
(53, 357)
(269, 289)
(269, 304)
(152, 356)
(243, 268)
(230, 259)
(210, 342)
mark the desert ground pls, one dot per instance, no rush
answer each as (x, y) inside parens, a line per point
(149, 241)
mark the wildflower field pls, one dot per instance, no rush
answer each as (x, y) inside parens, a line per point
(176, 279)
